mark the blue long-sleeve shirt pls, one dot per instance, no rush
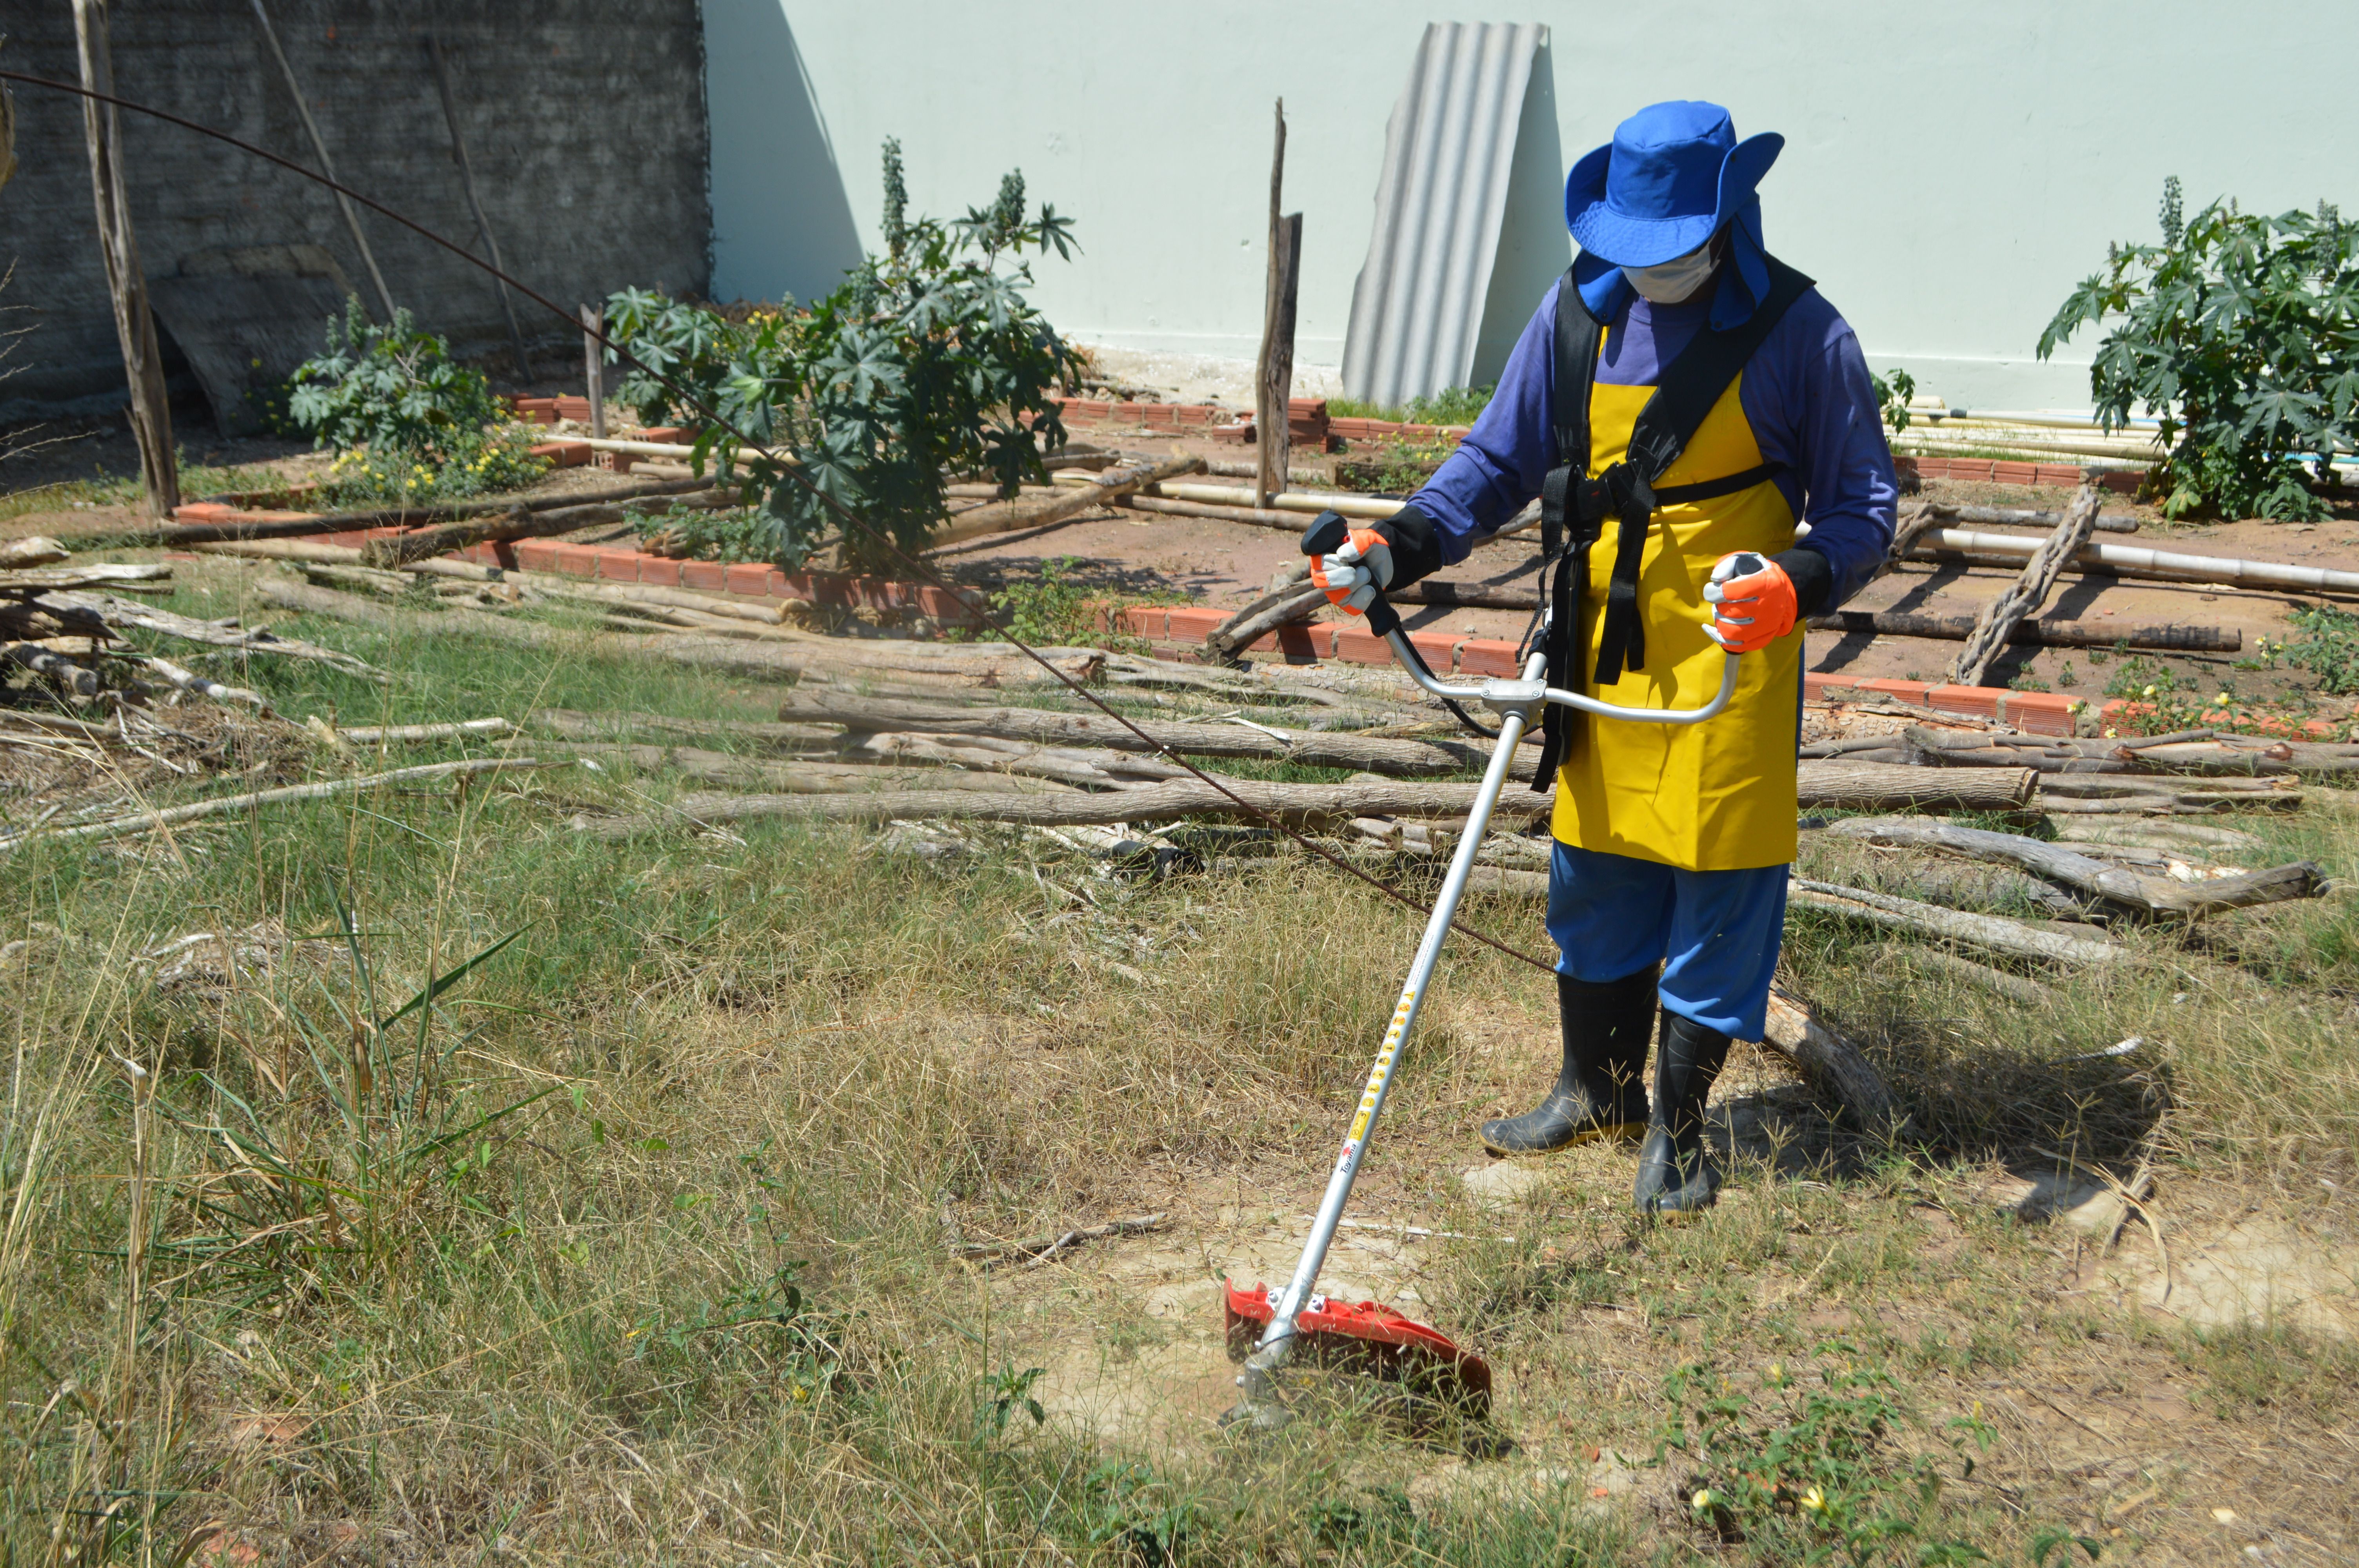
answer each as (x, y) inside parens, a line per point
(1806, 392)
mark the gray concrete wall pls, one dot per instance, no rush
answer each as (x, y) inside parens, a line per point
(1949, 171)
(585, 121)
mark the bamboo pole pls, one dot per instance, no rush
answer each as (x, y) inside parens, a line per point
(2029, 634)
(475, 205)
(126, 285)
(1989, 931)
(2135, 561)
(319, 146)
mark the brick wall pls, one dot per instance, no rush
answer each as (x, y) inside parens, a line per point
(585, 120)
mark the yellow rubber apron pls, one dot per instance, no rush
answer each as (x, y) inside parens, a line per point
(1714, 796)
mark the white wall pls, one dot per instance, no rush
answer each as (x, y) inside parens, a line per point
(1950, 172)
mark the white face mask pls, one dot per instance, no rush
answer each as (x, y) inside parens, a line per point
(1673, 280)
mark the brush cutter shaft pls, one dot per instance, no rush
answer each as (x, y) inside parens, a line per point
(1491, 690)
(1271, 1352)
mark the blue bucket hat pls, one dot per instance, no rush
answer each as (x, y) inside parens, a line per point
(1674, 175)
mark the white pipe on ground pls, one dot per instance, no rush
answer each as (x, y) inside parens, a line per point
(2135, 560)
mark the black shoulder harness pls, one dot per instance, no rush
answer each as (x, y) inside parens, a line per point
(1574, 506)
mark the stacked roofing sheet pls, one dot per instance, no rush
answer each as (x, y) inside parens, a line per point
(1448, 149)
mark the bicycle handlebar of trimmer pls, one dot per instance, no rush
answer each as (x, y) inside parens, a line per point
(1385, 623)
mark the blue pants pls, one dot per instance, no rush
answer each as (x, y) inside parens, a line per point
(1611, 915)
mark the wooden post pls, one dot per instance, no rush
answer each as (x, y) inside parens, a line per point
(593, 364)
(1274, 372)
(482, 225)
(151, 414)
(319, 146)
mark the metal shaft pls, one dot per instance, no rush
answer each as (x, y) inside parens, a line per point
(1278, 1338)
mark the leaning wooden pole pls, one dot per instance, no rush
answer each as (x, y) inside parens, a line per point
(319, 147)
(1995, 625)
(475, 204)
(151, 414)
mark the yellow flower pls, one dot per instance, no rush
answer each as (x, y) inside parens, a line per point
(1813, 1501)
(1703, 1500)
(2149, 691)
(2223, 699)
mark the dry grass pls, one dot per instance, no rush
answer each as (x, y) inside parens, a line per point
(633, 1244)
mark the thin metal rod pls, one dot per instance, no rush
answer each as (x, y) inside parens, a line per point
(319, 146)
(474, 202)
(1403, 651)
(1278, 1338)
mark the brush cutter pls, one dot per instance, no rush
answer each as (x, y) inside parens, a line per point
(1371, 1335)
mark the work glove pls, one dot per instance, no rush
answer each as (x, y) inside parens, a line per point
(1355, 571)
(1754, 601)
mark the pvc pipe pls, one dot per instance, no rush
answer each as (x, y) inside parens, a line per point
(2135, 561)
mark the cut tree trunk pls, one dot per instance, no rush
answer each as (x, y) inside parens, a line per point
(963, 666)
(1838, 783)
(1833, 1065)
(118, 249)
(2150, 896)
(1407, 759)
(1989, 931)
(2027, 633)
(1997, 624)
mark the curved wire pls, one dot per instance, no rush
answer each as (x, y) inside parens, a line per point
(790, 470)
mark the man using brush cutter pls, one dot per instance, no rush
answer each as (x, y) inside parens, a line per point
(1678, 402)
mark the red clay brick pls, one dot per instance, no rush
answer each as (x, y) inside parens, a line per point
(1905, 690)
(744, 577)
(564, 454)
(1355, 645)
(577, 560)
(1194, 625)
(1439, 648)
(709, 576)
(1144, 621)
(201, 512)
(661, 572)
(669, 436)
(572, 408)
(1294, 643)
(1980, 700)
(948, 608)
(2042, 712)
(536, 555)
(1487, 656)
(618, 566)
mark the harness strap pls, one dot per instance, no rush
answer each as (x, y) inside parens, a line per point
(1564, 567)
(1683, 397)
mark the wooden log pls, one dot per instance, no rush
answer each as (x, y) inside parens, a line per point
(389, 734)
(399, 550)
(2030, 590)
(575, 725)
(2000, 935)
(1466, 595)
(97, 574)
(189, 680)
(1403, 759)
(32, 550)
(178, 535)
(1112, 486)
(1274, 431)
(1264, 615)
(1841, 783)
(1832, 1065)
(2151, 896)
(2027, 633)
(77, 679)
(808, 775)
(149, 821)
(1321, 803)
(2107, 522)
(2014, 987)
(964, 666)
(118, 250)
(1250, 516)
(209, 633)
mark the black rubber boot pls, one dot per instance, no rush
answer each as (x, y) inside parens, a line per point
(1597, 1092)
(1675, 1174)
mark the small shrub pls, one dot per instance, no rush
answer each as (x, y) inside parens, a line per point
(2241, 333)
(411, 422)
(1892, 395)
(928, 360)
(1451, 405)
(2328, 647)
(701, 533)
(1058, 612)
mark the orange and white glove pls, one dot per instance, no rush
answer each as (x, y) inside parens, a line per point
(1355, 571)
(1754, 601)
